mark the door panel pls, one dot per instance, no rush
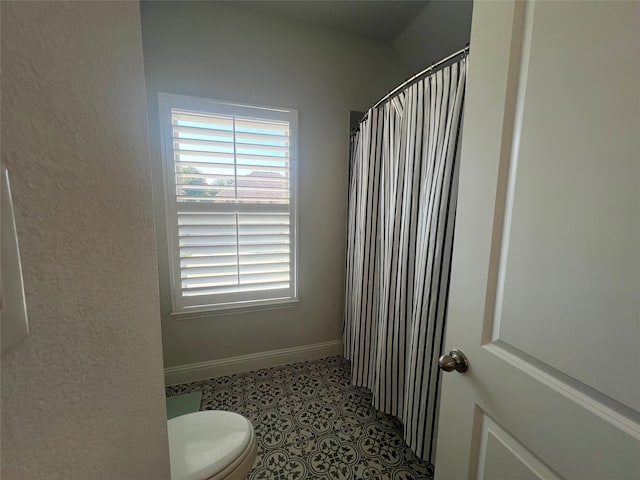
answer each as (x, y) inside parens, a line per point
(499, 452)
(545, 289)
(567, 152)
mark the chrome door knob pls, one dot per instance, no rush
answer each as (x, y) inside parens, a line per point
(456, 360)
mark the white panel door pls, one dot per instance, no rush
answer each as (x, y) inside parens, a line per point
(545, 289)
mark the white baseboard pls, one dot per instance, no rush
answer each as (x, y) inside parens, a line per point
(245, 363)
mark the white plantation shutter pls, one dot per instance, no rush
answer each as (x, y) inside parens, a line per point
(231, 202)
(233, 252)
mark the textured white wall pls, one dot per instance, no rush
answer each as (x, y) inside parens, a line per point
(441, 28)
(218, 50)
(82, 397)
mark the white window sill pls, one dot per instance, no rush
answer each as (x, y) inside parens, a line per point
(233, 308)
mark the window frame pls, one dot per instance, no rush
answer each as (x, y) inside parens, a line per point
(180, 307)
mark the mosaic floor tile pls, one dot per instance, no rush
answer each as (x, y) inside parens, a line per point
(311, 423)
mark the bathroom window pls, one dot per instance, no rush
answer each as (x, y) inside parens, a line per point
(230, 172)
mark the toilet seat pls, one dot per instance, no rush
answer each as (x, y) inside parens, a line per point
(211, 445)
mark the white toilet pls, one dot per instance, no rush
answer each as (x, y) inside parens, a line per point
(211, 445)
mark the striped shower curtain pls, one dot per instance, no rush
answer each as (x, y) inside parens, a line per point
(402, 202)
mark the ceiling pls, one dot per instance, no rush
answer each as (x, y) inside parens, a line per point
(382, 20)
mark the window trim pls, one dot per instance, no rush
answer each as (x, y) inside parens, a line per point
(168, 101)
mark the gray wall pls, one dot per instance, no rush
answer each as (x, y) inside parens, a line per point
(221, 51)
(441, 28)
(82, 397)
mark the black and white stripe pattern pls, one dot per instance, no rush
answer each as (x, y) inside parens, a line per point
(402, 200)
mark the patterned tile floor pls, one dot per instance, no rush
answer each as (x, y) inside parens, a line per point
(311, 423)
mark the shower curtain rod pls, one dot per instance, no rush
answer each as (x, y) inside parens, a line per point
(415, 78)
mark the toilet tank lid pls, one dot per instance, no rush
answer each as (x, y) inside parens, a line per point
(202, 444)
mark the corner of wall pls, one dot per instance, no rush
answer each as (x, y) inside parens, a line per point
(441, 28)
